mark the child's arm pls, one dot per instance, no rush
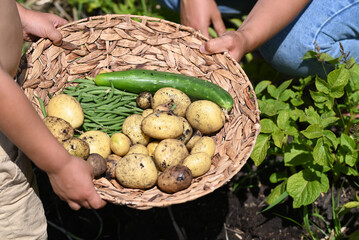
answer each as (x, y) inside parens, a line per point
(267, 18)
(200, 14)
(71, 177)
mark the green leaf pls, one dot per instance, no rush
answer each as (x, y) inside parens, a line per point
(260, 149)
(354, 78)
(304, 82)
(329, 121)
(271, 107)
(261, 86)
(313, 131)
(339, 168)
(296, 101)
(306, 186)
(311, 116)
(330, 138)
(277, 177)
(284, 85)
(278, 137)
(283, 119)
(346, 151)
(267, 125)
(347, 141)
(310, 55)
(321, 85)
(353, 204)
(337, 80)
(276, 194)
(273, 91)
(297, 155)
(286, 94)
(318, 96)
(322, 154)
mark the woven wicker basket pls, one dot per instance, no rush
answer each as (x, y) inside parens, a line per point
(121, 42)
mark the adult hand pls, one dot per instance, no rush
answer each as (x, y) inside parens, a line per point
(73, 183)
(40, 25)
(233, 42)
(200, 14)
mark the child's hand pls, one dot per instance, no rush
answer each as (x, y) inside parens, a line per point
(73, 183)
(200, 14)
(40, 25)
(233, 42)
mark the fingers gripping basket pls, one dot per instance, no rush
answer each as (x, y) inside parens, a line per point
(121, 42)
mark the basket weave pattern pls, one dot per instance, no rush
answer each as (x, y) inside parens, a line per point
(122, 42)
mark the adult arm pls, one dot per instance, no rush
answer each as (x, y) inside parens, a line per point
(38, 24)
(200, 14)
(267, 18)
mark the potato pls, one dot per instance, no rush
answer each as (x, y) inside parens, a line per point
(151, 148)
(192, 141)
(206, 116)
(132, 128)
(60, 128)
(187, 131)
(66, 107)
(77, 147)
(199, 163)
(147, 112)
(144, 100)
(170, 152)
(172, 97)
(162, 125)
(204, 144)
(111, 163)
(98, 163)
(120, 144)
(136, 171)
(174, 179)
(99, 142)
(138, 148)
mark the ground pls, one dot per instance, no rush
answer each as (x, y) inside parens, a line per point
(222, 215)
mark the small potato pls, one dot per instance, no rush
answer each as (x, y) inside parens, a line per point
(144, 100)
(138, 148)
(162, 125)
(60, 128)
(147, 112)
(99, 142)
(206, 116)
(187, 131)
(174, 179)
(98, 163)
(120, 144)
(136, 171)
(192, 141)
(151, 148)
(132, 128)
(170, 152)
(172, 97)
(199, 163)
(66, 107)
(204, 144)
(77, 147)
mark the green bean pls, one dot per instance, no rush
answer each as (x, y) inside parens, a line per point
(42, 105)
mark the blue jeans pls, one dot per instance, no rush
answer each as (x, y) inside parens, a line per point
(323, 22)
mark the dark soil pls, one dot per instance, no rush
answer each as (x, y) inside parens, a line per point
(223, 214)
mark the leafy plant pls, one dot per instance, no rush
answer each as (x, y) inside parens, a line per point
(309, 125)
